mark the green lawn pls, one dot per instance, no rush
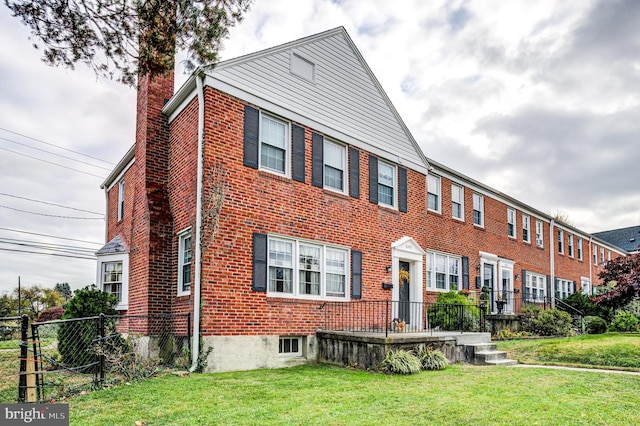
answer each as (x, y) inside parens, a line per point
(611, 350)
(459, 395)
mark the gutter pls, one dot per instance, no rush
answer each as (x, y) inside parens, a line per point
(195, 342)
(590, 262)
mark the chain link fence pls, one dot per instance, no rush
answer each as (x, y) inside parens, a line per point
(45, 361)
(9, 358)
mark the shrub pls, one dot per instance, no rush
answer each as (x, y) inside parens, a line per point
(585, 305)
(75, 338)
(595, 325)
(432, 359)
(624, 321)
(552, 322)
(453, 311)
(50, 314)
(400, 362)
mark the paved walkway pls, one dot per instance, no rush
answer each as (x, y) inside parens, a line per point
(594, 370)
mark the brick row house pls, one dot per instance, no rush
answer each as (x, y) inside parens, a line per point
(327, 198)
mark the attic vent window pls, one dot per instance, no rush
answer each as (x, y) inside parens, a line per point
(303, 68)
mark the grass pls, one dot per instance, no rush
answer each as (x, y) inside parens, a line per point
(321, 394)
(611, 350)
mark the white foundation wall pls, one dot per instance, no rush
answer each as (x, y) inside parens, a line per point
(234, 353)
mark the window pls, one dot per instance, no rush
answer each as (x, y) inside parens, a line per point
(335, 165)
(457, 202)
(526, 225)
(185, 251)
(121, 199)
(306, 269)
(560, 241)
(443, 272)
(274, 148)
(539, 239)
(433, 193)
(579, 248)
(535, 288)
(112, 278)
(609, 255)
(386, 184)
(570, 245)
(602, 256)
(585, 284)
(478, 210)
(595, 254)
(290, 346)
(564, 288)
(511, 222)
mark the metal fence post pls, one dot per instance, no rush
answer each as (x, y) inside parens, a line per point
(386, 318)
(24, 352)
(102, 336)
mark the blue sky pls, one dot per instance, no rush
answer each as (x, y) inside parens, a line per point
(540, 100)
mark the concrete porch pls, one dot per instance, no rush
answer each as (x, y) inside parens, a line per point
(366, 350)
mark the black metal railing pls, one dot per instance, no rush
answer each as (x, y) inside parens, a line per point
(386, 316)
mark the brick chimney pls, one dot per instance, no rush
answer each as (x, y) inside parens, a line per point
(150, 280)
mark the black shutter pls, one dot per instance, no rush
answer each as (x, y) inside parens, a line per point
(549, 295)
(555, 288)
(465, 272)
(297, 136)
(373, 179)
(356, 274)
(575, 288)
(317, 157)
(251, 129)
(402, 189)
(525, 295)
(354, 172)
(259, 262)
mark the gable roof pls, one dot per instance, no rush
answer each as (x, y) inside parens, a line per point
(626, 238)
(339, 96)
(115, 246)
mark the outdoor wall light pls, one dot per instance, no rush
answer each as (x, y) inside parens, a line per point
(478, 268)
(388, 268)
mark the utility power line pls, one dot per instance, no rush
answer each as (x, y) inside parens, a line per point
(53, 153)
(57, 146)
(51, 162)
(50, 215)
(48, 254)
(48, 246)
(50, 204)
(50, 236)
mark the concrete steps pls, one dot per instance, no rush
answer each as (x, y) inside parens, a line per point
(487, 354)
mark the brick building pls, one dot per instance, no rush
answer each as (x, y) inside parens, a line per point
(327, 197)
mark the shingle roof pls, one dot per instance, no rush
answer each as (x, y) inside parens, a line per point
(112, 247)
(626, 238)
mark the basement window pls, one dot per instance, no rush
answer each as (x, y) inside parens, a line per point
(290, 347)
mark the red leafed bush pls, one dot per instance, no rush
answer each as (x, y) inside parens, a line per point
(51, 314)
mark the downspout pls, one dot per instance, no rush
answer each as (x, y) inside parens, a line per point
(195, 341)
(552, 265)
(590, 263)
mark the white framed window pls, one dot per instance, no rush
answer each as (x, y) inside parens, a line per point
(535, 288)
(478, 210)
(579, 248)
(443, 271)
(290, 347)
(539, 233)
(570, 245)
(595, 254)
(602, 255)
(307, 269)
(121, 199)
(511, 222)
(434, 191)
(585, 286)
(526, 228)
(386, 184)
(274, 145)
(113, 273)
(457, 201)
(564, 288)
(335, 166)
(560, 241)
(185, 255)
(609, 255)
